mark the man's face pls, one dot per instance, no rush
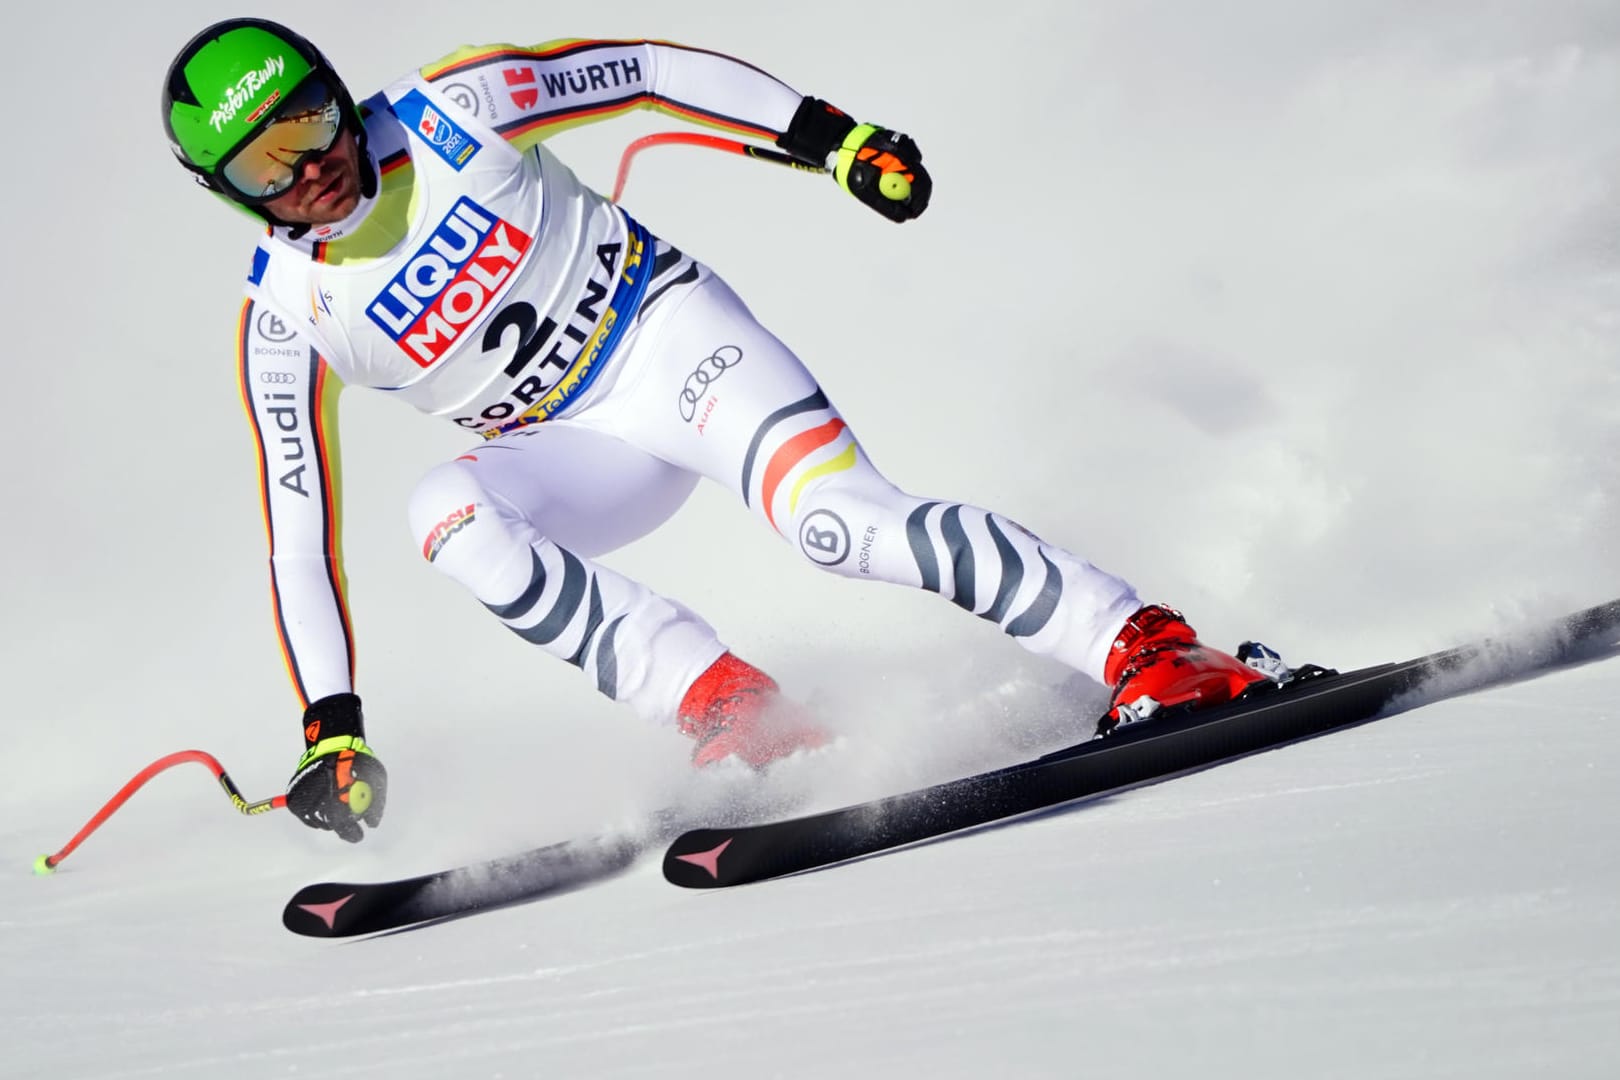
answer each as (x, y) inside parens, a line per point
(327, 189)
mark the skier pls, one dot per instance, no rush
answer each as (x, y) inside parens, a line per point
(426, 243)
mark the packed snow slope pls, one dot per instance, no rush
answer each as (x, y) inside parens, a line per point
(1304, 317)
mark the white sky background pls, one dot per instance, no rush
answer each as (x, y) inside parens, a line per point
(1305, 317)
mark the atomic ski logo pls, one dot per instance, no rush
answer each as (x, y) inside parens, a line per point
(707, 860)
(327, 913)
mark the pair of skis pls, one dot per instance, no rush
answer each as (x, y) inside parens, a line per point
(1155, 749)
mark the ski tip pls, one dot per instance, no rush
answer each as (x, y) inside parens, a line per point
(321, 911)
(697, 860)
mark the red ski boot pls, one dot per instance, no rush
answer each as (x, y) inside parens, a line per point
(735, 708)
(1158, 661)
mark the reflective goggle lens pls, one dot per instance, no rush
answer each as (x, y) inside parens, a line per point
(267, 164)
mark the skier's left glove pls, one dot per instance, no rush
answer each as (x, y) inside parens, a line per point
(339, 782)
(880, 167)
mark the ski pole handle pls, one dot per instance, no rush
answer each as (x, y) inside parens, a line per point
(712, 142)
(45, 864)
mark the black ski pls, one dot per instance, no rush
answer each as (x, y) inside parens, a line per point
(349, 909)
(337, 909)
(1136, 753)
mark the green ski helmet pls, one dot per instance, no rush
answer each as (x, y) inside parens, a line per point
(233, 81)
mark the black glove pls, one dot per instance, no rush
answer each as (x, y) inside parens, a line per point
(880, 167)
(339, 782)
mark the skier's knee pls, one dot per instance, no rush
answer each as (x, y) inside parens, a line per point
(442, 504)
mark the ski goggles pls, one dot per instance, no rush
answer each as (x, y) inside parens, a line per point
(267, 164)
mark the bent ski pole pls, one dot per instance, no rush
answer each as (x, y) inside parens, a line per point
(713, 142)
(45, 864)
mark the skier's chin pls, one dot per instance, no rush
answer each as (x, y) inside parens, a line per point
(333, 201)
(334, 206)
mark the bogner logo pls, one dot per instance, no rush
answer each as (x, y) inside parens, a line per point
(449, 282)
(246, 89)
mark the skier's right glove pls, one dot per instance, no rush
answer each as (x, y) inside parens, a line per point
(880, 167)
(339, 782)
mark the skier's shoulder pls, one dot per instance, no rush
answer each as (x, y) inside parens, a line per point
(412, 115)
(277, 274)
(272, 267)
(465, 60)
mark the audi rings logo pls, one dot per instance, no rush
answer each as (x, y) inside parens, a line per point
(281, 377)
(824, 538)
(709, 369)
(462, 95)
(272, 328)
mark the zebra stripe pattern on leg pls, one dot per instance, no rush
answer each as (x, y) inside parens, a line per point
(968, 570)
(569, 597)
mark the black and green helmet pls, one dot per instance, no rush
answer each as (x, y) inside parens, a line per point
(232, 81)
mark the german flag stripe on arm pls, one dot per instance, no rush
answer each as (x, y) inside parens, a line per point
(329, 462)
(529, 93)
(474, 56)
(544, 126)
(293, 414)
(470, 56)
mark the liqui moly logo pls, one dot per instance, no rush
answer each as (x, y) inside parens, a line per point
(449, 282)
(246, 91)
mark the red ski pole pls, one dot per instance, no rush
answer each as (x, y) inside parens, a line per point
(712, 142)
(45, 864)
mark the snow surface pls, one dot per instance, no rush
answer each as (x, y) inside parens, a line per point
(1303, 316)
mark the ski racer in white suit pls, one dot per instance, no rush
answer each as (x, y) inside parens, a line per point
(425, 243)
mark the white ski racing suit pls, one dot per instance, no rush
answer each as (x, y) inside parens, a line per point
(605, 372)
